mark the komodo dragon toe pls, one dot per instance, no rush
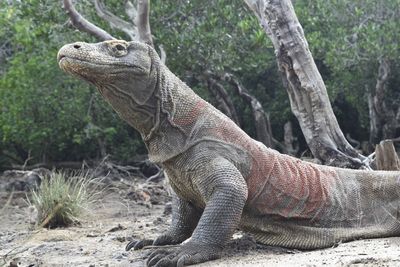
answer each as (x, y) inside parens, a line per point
(186, 254)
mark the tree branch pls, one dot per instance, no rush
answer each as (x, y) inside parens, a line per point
(143, 23)
(84, 25)
(163, 55)
(223, 97)
(114, 21)
(131, 11)
(261, 119)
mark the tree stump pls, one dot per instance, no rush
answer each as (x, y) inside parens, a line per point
(386, 156)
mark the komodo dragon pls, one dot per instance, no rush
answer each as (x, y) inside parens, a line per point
(223, 179)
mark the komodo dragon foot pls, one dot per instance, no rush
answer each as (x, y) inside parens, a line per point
(170, 238)
(186, 254)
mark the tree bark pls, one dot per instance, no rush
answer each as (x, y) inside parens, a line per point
(307, 92)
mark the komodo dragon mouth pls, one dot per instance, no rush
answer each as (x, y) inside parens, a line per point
(62, 57)
(84, 69)
(76, 66)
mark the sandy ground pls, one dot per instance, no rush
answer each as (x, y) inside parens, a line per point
(115, 219)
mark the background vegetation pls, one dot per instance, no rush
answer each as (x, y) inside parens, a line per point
(47, 116)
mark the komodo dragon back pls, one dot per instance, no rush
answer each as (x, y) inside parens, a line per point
(222, 178)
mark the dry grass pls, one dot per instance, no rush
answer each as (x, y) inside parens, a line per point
(62, 199)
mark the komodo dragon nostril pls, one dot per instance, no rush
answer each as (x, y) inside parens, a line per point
(76, 46)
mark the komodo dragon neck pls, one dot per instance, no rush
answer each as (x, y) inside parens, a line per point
(159, 107)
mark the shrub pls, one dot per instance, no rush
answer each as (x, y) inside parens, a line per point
(62, 199)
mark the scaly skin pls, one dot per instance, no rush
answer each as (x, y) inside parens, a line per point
(222, 178)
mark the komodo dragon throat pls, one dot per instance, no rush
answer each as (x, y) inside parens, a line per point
(222, 178)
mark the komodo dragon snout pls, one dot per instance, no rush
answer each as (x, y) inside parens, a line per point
(116, 65)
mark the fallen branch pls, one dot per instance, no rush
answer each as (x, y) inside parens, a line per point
(7, 202)
(51, 215)
(49, 165)
(156, 177)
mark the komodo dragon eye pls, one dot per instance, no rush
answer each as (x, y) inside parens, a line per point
(119, 49)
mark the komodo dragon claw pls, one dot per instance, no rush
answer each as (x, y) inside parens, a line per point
(135, 244)
(166, 239)
(186, 254)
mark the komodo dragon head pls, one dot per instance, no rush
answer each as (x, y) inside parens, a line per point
(118, 67)
(125, 73)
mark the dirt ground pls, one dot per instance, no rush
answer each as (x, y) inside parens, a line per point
(134, 210)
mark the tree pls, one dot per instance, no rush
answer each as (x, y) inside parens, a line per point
(306, 89)
(363, 46)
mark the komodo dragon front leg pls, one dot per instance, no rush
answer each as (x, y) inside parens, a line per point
(224, 192)
(185, 217)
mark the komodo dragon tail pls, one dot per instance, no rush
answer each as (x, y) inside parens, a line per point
(360, 204)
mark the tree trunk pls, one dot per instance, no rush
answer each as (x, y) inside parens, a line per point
(374, 121)
(291, 145)
(383, 117)
(307, 93)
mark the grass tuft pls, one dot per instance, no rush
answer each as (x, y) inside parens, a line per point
(62, 199)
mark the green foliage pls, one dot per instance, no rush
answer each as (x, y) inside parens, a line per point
(217, 36)
(61, 199)
(45, 113)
